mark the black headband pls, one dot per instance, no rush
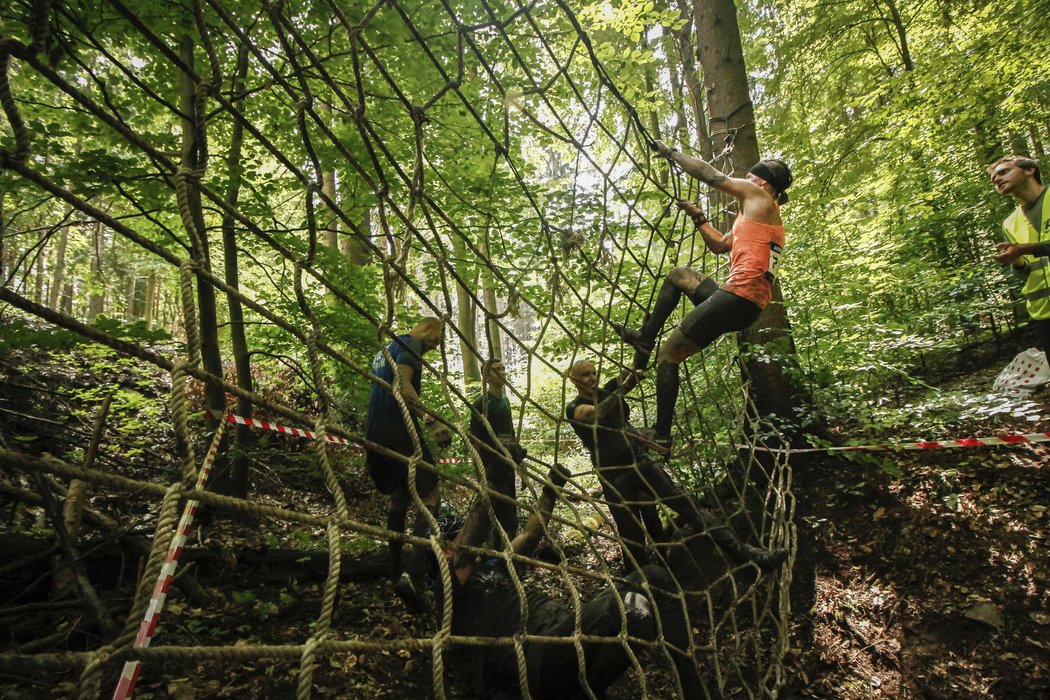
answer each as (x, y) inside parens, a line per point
(777, 181)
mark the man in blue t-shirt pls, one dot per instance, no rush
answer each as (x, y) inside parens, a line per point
(395, 438)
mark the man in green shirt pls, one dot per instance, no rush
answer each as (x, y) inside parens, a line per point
(1027, 231)
(492, 428)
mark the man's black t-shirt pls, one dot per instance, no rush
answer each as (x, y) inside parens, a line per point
(607, 443)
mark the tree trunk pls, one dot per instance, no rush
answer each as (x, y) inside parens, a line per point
(214, 396)
(672, 52)
(466, 313)
(38, 271)
(58, 270)
(491, 309)
(492, 336)
(900, 35)
(67, 299)
(328, 182)
(97, 300)
(151, 299)
(129, 311)
(732, 115)
(692, 83)
(1018, 143)
(1037, 143)
(234, 480)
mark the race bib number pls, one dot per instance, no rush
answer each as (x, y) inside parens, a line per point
(774, 260)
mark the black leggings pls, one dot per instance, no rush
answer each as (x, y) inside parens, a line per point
(632, 492)
(717, 313)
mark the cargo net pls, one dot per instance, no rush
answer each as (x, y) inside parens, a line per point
(368, 167)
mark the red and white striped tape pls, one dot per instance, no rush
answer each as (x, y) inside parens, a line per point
(130, 674)
(284, 429)
(888, 446)
(299, 432)
(932, 444)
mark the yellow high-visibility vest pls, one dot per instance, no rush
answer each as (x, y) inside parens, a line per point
(1036, 290)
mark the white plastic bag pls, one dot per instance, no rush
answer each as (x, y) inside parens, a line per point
(1027, 372)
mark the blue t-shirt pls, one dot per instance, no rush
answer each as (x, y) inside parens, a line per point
(385, 424)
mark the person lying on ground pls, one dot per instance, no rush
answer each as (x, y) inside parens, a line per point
(485, 603)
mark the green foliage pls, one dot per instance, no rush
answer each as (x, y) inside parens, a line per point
(892, 221)
(19, 334)
(136, 330)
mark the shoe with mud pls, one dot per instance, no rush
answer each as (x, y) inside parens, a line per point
(766, 559)
(411, 594)
(633, 338)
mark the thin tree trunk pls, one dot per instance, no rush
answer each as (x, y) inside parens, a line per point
(901, 35)
(495, 342)
(673, 54)
(214, 395)
(38, 272)
(352, 245)
(488, 289)
(129, 311)
(151, 299)
(466, 313)
(1037, 143)
(97, 300)
(3, 240)
(328, 187)
(235, 480)
(694, 89)
(58, 270)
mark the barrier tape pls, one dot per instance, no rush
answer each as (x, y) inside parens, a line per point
(879, 447)
(283, 429)
(299, 432)
(925, 444)
(130, 674)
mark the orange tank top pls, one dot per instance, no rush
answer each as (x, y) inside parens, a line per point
(753, 260)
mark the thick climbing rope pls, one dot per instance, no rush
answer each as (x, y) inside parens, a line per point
(384, 123)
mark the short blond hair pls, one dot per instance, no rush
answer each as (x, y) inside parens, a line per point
(428, 324)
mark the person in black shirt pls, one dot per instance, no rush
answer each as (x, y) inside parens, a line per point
(485, 603)
(386, 426)
(632, 481)
(492, 428)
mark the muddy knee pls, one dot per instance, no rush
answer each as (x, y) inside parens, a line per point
(676, 349)
(686, 278)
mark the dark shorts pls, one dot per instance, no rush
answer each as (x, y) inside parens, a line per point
(720, 313)
(391, 473)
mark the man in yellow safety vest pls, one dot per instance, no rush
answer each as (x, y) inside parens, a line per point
(1027, 229)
